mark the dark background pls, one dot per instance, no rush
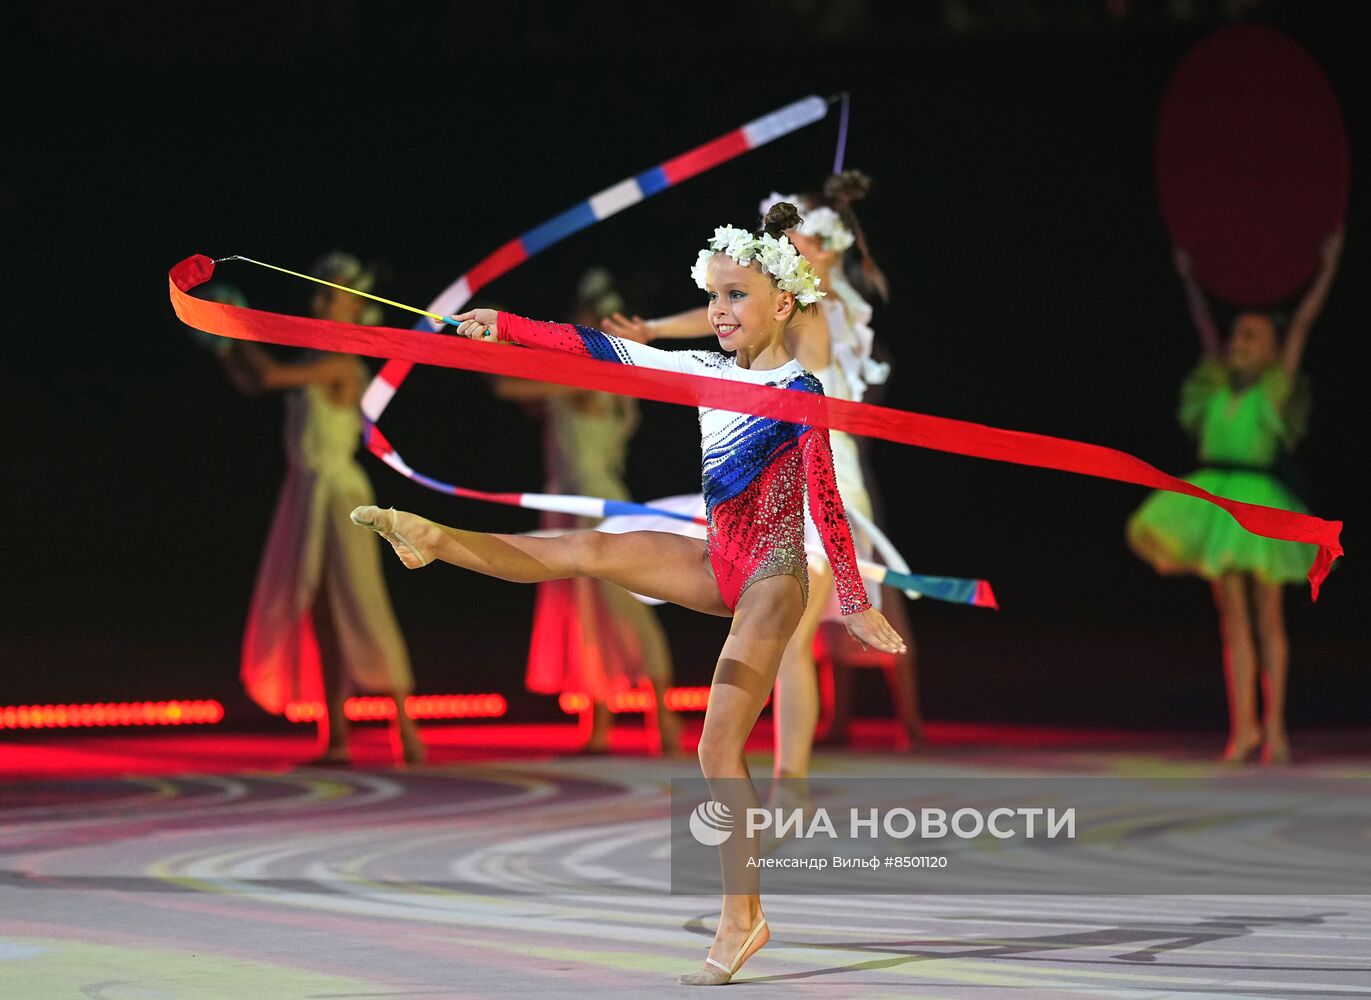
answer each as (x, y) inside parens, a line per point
(1014, 211)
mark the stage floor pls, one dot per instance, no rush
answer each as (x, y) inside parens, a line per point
(202, 865)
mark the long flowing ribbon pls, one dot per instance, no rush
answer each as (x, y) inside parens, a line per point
(598, 207)
(937, 433)
(896, 572)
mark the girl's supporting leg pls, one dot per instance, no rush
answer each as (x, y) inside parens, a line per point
(795, 705)
(1275, 663)
(1240, 666)
(766, 617)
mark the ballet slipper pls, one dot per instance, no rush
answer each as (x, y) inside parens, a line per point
(383, 522)
(1240, 753)
(1276, 750)
(714, 973)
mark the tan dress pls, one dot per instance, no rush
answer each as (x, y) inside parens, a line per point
(588, 636)
(312, 543)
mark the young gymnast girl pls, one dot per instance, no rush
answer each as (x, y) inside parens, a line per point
(834, 341)
(752, 566)
(1243, 405)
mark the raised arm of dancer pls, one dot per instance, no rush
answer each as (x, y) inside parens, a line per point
(683, 326)
(1311, 305)
(1210, 340)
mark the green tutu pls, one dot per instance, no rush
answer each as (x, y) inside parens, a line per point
(1179, 534)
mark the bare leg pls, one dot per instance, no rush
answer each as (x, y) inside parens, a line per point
(656, 664)
(653, 563)
(334, 726)
(406, 743)
(763, 622)
(601, 721)
(795, 706)
(1240, 666)
(1275, 663)
(901, 677)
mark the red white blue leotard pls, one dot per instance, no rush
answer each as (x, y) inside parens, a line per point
(755, 469)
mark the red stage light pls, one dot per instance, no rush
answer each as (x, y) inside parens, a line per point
(678, 699)
(420, 706)
(149, 713)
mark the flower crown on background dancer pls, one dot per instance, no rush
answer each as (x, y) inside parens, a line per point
(831, 218)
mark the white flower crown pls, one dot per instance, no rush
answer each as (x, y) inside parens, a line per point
(778, 257)
(821, 222)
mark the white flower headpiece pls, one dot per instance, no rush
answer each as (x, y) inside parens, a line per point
(821, 222)
(778, 257)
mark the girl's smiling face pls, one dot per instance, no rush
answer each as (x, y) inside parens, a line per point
(745, 306)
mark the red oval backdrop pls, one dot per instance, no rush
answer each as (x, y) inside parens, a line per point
(1253, 168)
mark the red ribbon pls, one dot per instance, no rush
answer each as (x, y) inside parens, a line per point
(937, 433)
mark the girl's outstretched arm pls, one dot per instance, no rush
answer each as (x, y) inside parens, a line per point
(1311, 305)
(488, 324)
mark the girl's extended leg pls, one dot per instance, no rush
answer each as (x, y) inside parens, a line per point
(654, 563)
(1240, 666)
(763, 623)
(1275, 663)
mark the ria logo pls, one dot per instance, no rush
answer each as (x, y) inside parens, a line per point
(711, 823)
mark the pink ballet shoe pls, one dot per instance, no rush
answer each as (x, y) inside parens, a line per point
(716, 973)
(1239, 752)
(383, 522)
(1276, 750)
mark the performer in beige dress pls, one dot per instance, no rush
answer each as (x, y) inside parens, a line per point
(591, 637)
(320, 624)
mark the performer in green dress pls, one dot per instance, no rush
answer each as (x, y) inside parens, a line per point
(1246, 406)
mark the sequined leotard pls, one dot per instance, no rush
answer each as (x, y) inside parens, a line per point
(755, 469)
